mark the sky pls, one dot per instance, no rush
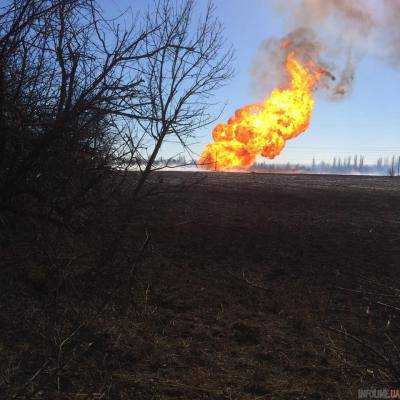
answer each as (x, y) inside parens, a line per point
(367, 122)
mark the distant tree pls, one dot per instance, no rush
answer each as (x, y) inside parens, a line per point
(361, 163)
(355, 162)
(349, 163)
(398, 165)
(392, 170)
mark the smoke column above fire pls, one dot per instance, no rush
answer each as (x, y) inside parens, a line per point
(338, 34)
(331, 36)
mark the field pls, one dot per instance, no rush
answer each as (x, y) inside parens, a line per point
(243, 290)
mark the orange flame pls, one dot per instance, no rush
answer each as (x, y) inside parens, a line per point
(263, 129)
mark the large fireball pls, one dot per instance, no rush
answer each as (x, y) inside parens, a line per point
(263, 129)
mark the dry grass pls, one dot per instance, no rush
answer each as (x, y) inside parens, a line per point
(232, 298)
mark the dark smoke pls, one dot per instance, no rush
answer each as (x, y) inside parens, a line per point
(336, 35)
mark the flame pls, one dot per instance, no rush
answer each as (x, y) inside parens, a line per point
(263, 129)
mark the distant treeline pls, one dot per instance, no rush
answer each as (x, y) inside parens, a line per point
(339, 165)
(179, 160)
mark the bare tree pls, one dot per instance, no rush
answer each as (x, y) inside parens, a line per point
(188, 62)
(82, 95)
(67, 79)
(392, 170)
(179, 82)
(78, 82)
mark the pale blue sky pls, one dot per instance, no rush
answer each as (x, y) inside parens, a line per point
(367, 122)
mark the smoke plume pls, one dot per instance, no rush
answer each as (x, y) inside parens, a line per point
(335, 35)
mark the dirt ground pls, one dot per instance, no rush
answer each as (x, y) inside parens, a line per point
(246, 286)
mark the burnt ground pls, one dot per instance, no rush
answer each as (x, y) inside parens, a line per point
(249, 286)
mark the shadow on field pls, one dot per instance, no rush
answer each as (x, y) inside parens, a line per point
(249, 286)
